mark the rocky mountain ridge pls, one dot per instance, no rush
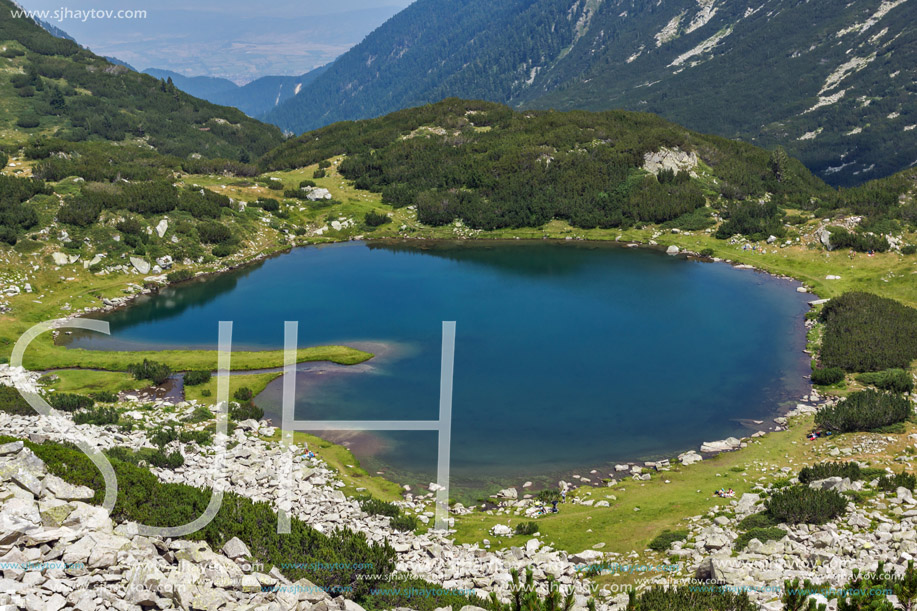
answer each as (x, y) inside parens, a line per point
(833, 82)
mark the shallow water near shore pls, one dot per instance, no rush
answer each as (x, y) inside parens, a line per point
(568, 356)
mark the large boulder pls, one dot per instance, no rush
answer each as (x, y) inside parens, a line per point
(141, 265)
(669, 159)
(235, 548)
(315, 193)
(747, 503)
(60, 489)
(725, 445)
(708, 571)
(824, 236)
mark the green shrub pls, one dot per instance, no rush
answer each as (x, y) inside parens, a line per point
(246, 411)
(824, 470)
(158, 373)
(179, 275)
(895, 380)
(267, 204)
(163, 435)
(866, 410)
(707, 252)
(28, 121)
(757, 520)
(196, 378)
(12, 402)
(206, 392)
(154, 457)
(375, 507)
(201, 438)
(859, 241)
(243, 394)
(827, 376)
(761, 534)
(696, 220)
(104, 396)
(79, 212)
(526, 528)
(212, 232)
(752, 219)
(797, 597)
(910, 249)
(200, 414)
(159, 458)
(375, 219)
(548, 495)
(864, 332)
(690, 598)
(222, 250)
(903, 479)
(99, 416)
(404, 523)
(69, 403)
(664, 540)
(802, 504)
(306, 184)
(319, 173)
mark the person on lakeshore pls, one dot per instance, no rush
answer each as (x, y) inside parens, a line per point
(563, 495)
(554, 503)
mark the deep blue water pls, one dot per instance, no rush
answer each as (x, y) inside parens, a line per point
(568, 356)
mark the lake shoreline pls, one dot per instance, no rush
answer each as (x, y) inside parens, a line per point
(477, 242)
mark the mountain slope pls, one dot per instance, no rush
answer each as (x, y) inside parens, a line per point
(833, 81)
(51, 86)
(262, 95)
(434, 49)
(198, 86)
(254, 99)
(491, 168)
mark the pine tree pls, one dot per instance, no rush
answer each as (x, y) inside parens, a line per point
(779, 162)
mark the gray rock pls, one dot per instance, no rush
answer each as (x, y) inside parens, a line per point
(66, 491)
(141, 265)
(824, 236)
(235, 548)
(10, 448)
(726, 445)
(747, 502)
(708, 570)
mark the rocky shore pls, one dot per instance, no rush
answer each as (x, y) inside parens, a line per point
(45, 520)
(252, 465)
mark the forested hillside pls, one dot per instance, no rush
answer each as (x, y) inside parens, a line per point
(52, 86)
(492, 167)
(832, 81)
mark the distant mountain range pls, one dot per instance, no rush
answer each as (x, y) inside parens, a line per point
(833, 81)
(254, 99)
